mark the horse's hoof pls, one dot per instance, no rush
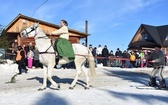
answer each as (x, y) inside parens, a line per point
(58, 86)
(41, 89)
(70, 88)
(86, 88)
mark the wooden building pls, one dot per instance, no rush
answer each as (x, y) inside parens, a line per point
(13, 29)
(148, 36)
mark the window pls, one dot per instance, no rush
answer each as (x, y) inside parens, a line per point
(166, 38)
(146, 37)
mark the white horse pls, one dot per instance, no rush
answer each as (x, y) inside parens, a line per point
(47, 57)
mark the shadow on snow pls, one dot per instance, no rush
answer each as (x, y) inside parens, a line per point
(136, 77)
(58, 80)
(50, 99)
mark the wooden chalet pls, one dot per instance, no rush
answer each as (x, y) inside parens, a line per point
(148, 36)
(13, 29)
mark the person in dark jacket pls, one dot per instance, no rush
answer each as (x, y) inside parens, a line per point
(158, 60)
(105, 54)
(20, 60)
(118, 54)
(36, 57)
(124, 55)
(14, 49)
(94, 53)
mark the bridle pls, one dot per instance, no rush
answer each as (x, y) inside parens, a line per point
(34, 29)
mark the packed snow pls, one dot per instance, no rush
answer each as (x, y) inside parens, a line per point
(112, 86)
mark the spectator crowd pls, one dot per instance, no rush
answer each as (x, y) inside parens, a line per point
(25, 56)
(31, 56)
(124, 59)
(104, 56)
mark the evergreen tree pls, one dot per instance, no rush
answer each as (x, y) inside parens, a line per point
(4, 42)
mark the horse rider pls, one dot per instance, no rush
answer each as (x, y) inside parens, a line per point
(63, 45)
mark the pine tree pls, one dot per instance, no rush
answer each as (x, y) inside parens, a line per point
(4, 42)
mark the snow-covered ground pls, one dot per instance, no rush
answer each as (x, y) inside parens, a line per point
(112, 86)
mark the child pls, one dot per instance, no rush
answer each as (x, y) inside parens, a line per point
(30, 55)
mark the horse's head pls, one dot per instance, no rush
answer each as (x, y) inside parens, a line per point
(30, 31)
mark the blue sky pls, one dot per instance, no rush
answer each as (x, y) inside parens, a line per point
(110, 22)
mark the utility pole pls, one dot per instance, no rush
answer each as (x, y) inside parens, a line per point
(86, 31)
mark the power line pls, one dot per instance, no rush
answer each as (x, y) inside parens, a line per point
(38, 7)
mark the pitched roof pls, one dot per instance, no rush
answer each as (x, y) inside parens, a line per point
(158, 35)
(153, 32)
(40, 21)
(28, 18)
(163, 32)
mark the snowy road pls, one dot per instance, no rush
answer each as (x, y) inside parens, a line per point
(113, 86)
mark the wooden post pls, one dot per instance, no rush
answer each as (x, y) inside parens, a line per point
(86, 31)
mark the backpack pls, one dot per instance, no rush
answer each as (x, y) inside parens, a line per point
(132, 57)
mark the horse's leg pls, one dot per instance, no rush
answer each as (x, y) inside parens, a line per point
(44, 80)
(49, 76)
(78, 64)
(87, 76)
(78, 73)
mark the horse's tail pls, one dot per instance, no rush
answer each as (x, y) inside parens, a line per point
(91, 64)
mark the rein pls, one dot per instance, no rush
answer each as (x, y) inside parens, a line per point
(47, 50)
(42, 37)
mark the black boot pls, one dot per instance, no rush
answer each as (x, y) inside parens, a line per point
(162, 84)
(56, 61)
(26, 70)
(152, 81)
(20, 71)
